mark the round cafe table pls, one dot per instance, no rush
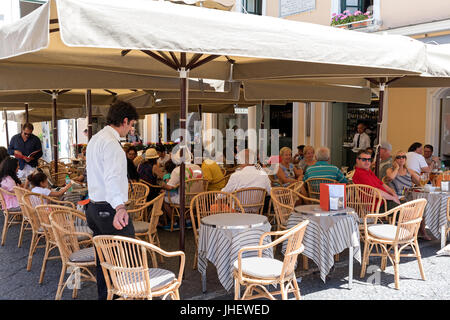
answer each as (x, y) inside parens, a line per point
(327, 234)
(221, 236)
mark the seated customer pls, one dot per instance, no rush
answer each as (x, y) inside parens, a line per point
(131, 168)
(308, 158)
(39, 183)
(287, 172)
(247, 176)
(432, 161)
(400, 176)
(415, 159)
(322, 169)
(363, 175)
(212, 172)
(150, 172)
(385, 158)
(8, 177)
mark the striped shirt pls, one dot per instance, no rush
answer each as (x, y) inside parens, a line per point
(321, 169)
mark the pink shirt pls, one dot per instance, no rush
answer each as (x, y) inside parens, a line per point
(11, 201)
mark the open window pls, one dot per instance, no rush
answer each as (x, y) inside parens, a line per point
(357, 5)
(252, 6)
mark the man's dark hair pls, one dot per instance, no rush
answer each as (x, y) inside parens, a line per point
(28, 126)
(429, 146)
(36, 178)
(160, 148)
(360, 152)
(8, 168)
(414, 147)
(301, 147)
(3, 154)
(120, 110)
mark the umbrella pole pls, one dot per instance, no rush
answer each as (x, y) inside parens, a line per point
(89, 112)
(5, 115)
(380, 120)
(76, 138)
(55, 130)
(26, 113)
(183, 91)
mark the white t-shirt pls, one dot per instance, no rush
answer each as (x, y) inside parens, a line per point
(415, 161)
(40, 190)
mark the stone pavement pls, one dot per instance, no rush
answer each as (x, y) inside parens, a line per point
(16, 283)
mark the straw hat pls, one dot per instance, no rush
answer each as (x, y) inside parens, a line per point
(151, 153)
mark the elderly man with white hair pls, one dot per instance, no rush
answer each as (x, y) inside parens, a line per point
(322, 169)
(247, 176)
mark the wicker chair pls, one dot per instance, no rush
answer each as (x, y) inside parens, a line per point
(252, 199)
(56, 179)
(208, 203)
(137, 193)
(79, 260)
(257, 273)
(26, 225)
(296, 186)
(192, 188)
(43, 212)
(396, 236)
(148, 229)
(364, 199)
(12, 216)
(313, 186)
(124, 263)
(283, 200)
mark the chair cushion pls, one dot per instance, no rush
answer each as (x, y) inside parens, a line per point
(83, 255)
(141, 226)
(260, 267)
(159, 278)
(15, 209)
(445, 251)
(386, 231)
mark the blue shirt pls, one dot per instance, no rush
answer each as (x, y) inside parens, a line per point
(322, 169)
(26, 147)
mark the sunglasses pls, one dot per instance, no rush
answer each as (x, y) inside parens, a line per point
(365, 159)
(400, 157)
(27, 134)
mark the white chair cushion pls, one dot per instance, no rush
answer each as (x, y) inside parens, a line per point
(141, 226)
(260, 267)
(386, 231)
(83, 255)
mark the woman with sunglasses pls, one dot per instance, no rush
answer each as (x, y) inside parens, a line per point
(400, 176)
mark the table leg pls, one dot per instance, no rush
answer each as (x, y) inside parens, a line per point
(443, 237)
(350, 267)
(204, 282)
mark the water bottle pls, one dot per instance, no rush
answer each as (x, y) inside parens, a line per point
(67, 182)
(442, 166)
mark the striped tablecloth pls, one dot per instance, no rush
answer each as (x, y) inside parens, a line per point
(220, 246)
(323, 241)
(435, 213)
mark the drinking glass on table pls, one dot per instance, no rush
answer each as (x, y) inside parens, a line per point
(424, 177)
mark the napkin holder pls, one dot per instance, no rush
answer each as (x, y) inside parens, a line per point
(445, 185)
(332, 196)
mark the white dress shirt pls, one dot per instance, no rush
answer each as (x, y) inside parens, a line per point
(248, 177)
(364, 142)
(106, 166)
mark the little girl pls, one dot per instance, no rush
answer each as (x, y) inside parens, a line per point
(40, 185)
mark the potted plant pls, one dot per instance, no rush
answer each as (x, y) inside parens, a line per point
(342, 20)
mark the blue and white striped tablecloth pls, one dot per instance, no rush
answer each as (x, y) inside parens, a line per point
(221, 247)
(321, 244)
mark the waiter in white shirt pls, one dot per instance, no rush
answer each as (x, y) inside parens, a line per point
(106, 166)
(361, 141)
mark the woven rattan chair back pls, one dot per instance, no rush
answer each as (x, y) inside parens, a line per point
(364, 199)
(294, 247)
(137, 192)
(155, 213)
(63, 226)
(139, 211)
(252, 199)
(283, 200)
(125, 266)
(11, 217)
(296, 186)
(313, 186)
(30, 201)
(43, 212)
(409, 216)
(20, 192)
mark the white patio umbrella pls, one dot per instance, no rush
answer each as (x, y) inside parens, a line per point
(88, 34)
